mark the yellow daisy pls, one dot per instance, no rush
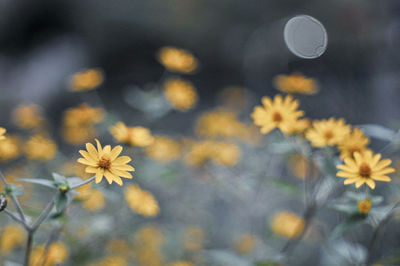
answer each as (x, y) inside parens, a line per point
(277, 113)
(365, 168)
(105, 162)
(86, 80)
(177, 60)
(327, 132)
(181, 94)
(355, 141)
(296, 83)
(133, 136)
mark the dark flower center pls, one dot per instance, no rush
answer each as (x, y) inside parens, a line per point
(105, 162)
(277, 117)
(328, 134)
(365, 170)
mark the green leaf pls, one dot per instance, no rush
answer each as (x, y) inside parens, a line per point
(349, 223)
(349, 208)
(39, 181)
(59, 179)
(61, 202)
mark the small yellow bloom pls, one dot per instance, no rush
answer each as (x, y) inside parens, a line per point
(93, 199)
(277, 113)
(82, 116)
(177, 60)
(327, 132)
(78, 134)
(57, 253)
(163, 149)
(287, 224)
(133, 136)
(27, 116)
(365, 168)
(141, 201)
(105, 162)
(296, 83)
(181, 94)
(40, 148)
(181, 263)
(244, 244)
(193, 238)
(147, 246)
(149, 235)
(11, 237)
(364, 206)
(355, 141)
(87, 80)
(225, 153)
(10, 148)
(221, 123)
(118, 246)
(2, 133)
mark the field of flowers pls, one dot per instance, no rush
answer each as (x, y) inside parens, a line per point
(157, 180)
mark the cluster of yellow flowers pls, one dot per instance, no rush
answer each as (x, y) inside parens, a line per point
(141, 201)
(220, 152)
(164, 149)
(55, 254)
(361, 165)
(86, 80)
(78, 123)
(11, 237)
(133, 136)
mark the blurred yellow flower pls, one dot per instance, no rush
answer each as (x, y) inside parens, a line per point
(146, 248)
(141, 201)
(82, 116)
(27, 116)
(181, 94)
(181, 263)
(364, 206)
(244, 244)
(10, 148)
(133, 136)
(177, 60)
(87, 80)
(225, 153)
(78, 134)
(221, 123)
(11, 237)
(365, 168)
(277, 113)
(149, 235)
(93, 199)
(163, 149)
(300, 167)
(57, 253)
(296, 83)
(287, 224)
(193, 238)
(2, 133)
(112, 261)
(355, 141)
(199, 153)
(118, 246)
(327, 132)
(105, 162)
(40, 148)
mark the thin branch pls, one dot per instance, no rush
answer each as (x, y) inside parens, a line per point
(44, 214)
(13, 198)
(83, 183)
(15, 218)
(28, 248)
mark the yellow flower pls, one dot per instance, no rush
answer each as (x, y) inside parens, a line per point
(355, 141)
(105, 162)
(2, 133)
(11, 237)
(149, 235)
(57, 253)
(245, 244)
(27, 116)
(277, 113)
(193, 238)
(225, 153)
(365, 168)
(133, 136)
(287, 224)
(181, 94)
(118, 246)
(82, 116)
(221, 123)
(163, 149)
(141, 201)
(93, 199)
(299, 126)
(40, 148)
(112, 261)
(199, 153)
(364, 206)
(327, 132)
(10, 148)
(146, 248)
(296, 83)
(300, 167)
(177, 60)
(78, 134)
(87, 80)
(181, 263)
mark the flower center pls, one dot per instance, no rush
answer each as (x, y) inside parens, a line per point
(105, 162)
(328, 134)
(277, 117)
(365, 170)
